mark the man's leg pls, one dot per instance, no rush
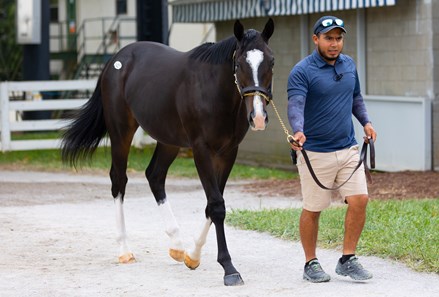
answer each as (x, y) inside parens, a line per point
(354, 222)
(348, 265)
(309, 228)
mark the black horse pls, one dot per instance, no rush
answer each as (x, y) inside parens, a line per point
(205, 99)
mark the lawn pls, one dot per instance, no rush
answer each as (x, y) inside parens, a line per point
(404, 230)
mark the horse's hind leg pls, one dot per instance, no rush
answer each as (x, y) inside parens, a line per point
(121, 138)
(156, 173)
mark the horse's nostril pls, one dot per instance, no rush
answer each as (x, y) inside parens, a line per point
(250, 119)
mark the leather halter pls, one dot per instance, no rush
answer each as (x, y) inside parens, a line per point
(363, 159)
(251, 90)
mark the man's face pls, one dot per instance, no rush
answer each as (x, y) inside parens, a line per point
(330, 44)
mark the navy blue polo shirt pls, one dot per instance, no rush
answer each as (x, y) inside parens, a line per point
(329, 92)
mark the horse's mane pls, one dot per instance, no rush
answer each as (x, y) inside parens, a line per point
(215, 53)
(222, 51)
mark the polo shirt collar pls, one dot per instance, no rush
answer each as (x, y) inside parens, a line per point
(320, 62)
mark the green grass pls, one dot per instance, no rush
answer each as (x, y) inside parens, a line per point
(406, 231)
(35, 135)
(138, 159)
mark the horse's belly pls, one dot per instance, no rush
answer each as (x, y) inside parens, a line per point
(164, 128)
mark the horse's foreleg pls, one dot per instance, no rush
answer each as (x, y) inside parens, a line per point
(192, 258)
(172, 229)
(213, 170)
(125, 254)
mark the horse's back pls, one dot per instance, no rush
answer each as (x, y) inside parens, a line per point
(145, 78)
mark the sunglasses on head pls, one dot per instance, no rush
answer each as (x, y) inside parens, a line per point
(329, 22)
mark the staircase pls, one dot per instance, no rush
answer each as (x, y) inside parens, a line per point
(84, 53)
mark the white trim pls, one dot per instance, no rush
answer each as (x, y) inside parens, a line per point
(196, 11)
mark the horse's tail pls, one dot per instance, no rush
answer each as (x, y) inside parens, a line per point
(84, 134)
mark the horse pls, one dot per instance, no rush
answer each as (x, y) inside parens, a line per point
(205, 99)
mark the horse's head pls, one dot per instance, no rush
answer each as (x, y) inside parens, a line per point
(253, 67)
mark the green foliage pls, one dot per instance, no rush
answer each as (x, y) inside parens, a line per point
(10, 51)
(407, 231)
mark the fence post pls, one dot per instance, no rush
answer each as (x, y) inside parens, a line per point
(4, 117)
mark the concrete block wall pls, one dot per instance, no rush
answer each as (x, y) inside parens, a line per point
(399, 43)
(402, 53)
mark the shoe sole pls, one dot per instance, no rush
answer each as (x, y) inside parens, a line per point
(354, 278)
(320, 280)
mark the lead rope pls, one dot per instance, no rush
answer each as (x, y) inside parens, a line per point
(289, 136)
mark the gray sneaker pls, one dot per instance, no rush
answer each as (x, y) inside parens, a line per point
(353, 269)
(314, 273)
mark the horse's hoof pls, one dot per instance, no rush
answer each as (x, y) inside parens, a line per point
(177, 255)
(127, 258)
(190, 263)
(233, 280)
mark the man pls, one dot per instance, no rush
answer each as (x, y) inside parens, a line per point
(323, 93)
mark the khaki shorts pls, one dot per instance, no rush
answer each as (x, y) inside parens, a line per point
(331, 169)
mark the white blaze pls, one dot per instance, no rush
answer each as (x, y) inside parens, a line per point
(254, 59)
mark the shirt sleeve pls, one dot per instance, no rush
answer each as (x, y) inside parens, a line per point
(296, 109)
(358, 107)
(297, 91)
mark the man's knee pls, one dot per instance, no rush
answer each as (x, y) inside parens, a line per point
(357, 201)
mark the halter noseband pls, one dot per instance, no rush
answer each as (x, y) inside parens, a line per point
(251, 90)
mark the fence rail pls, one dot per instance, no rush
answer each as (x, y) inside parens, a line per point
(8, 107)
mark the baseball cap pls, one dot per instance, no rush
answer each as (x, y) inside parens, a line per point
(327, 23)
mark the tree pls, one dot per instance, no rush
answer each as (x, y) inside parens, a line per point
(10, 52)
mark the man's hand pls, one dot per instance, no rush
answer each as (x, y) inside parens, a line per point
(370, 133)
(300, 139)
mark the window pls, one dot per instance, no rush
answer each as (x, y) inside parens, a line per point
(121, 7)
(54, 11)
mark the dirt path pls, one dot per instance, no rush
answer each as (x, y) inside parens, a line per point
(57, 239)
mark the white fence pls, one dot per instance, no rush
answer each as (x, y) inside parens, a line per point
(9, 124)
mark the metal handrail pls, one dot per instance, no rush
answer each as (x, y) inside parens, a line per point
(80, 41)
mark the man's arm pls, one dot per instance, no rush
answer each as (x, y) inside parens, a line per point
(296, 110)
(360, 112)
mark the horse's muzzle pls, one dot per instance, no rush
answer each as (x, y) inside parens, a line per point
(258, 121)
(258, 118)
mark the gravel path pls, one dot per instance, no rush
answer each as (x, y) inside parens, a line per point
(57, 239)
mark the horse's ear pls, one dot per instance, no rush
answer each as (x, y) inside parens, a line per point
(268, 30)
(239, 30)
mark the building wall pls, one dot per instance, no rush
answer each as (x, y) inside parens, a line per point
(434, 8)
(401, 44)
(184, 37)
